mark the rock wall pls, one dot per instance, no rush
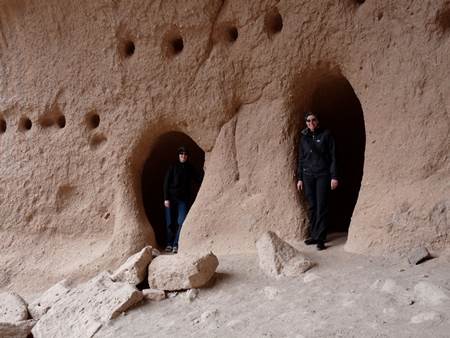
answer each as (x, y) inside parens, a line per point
(87, 87)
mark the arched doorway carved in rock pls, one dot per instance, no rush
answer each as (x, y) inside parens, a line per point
(340, 111)
(162, 155)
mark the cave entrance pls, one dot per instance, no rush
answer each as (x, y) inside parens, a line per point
(339, 110)
(162, 155)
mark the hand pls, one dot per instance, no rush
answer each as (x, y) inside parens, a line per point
(299, 185)
(167, 203)
(334, 184)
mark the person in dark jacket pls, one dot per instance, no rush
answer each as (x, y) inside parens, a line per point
(316, 175)
(178, 195)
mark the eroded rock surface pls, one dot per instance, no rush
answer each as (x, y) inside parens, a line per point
(181, 271)
(278, 258)
(84, 309)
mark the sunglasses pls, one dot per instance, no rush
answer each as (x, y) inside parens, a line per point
(182, 153)
(311, 120)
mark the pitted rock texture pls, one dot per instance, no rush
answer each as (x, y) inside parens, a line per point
(12, 308)
(43, 303)
(182, 271)
(88, 87)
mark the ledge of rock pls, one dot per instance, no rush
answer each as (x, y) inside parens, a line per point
(278, 258)
(20, 329)
(182, 271)
(134, 270)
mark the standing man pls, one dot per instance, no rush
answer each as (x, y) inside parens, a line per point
(178, 196)
(316, 176)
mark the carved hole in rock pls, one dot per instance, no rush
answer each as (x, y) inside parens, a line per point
(92, 120)
(177, 45)
(232, 34)
(2, 126)
(61, 121)
(129, 48)
(96, 140)
(25, 124)
(273, 22)
(339, 110)
(161, 156)
(444, 19)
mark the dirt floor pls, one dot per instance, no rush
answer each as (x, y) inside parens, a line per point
(344, 295)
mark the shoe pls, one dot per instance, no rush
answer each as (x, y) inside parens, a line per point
(175, 249)
(168, 249)
(321, 246)
(310, 241)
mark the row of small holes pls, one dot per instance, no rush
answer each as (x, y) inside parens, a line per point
(92, 121)
(273, 23)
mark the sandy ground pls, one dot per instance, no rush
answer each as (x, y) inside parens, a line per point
(344, 295)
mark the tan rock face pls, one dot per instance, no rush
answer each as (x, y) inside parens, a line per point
(88, 88)
(180, 272)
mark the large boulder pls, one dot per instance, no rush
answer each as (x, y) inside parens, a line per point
(20, 329)
(134, 270)
(182, 271)
(41, 305)
(12, 308)
(278, 258)
(83, 311)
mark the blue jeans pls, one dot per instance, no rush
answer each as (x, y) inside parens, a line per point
(175, 216)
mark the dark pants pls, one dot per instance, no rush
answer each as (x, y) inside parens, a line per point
(317, 190)
(175, 216)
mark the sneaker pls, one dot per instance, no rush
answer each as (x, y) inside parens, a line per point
(310, 241)
(175, 249)
(168, 249)
(321, 246)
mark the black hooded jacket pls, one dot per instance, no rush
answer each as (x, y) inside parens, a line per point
(178, 181)
(317, 154)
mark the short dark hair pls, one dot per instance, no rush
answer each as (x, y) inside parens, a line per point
(309, 113)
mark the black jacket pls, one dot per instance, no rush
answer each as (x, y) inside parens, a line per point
(179, 179)
(317, 154)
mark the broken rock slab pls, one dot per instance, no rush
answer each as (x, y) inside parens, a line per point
(20, 329)
(84, 309)
(182, 271)
(134, 270)
(278, 258)
(418, 255)
(12, 308)
(41, 305)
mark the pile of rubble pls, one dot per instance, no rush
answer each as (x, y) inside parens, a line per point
(81, 311)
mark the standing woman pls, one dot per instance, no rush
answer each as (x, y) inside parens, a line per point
(178, 196)
(316, 176)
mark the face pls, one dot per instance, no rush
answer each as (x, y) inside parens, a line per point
(311, 122)
(183, 157)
